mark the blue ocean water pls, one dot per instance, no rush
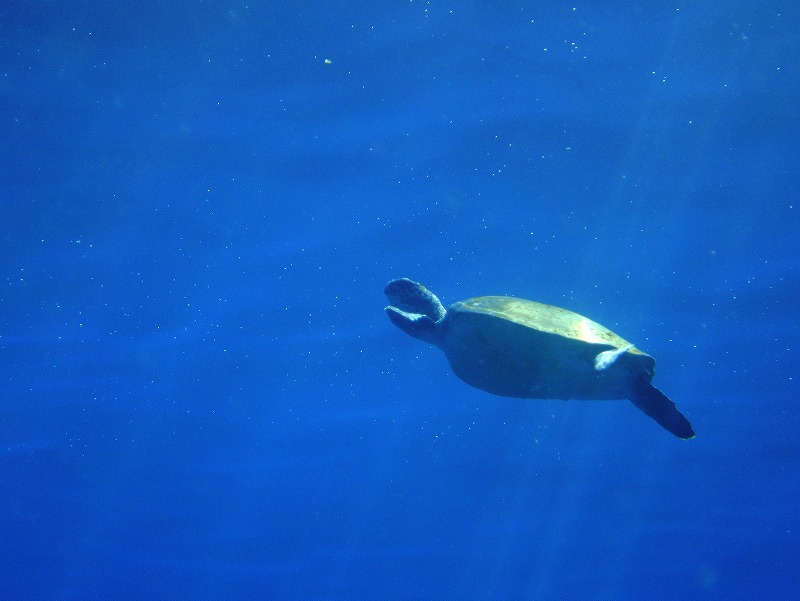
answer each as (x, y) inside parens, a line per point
(200, 394)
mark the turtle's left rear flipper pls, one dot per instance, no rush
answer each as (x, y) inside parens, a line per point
(655, 403)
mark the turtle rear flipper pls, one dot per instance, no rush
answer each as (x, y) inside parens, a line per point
(655, 403)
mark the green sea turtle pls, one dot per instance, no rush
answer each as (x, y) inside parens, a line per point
(519, 348)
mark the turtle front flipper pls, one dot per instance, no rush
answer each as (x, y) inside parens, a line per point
(657, 405)
(607, 358)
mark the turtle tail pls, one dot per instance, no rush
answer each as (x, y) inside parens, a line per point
(655, 403)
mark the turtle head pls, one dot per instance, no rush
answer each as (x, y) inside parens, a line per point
(415, 309)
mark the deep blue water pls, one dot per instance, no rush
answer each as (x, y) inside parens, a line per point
(200, 394)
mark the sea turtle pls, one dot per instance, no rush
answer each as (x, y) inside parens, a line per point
(519, 348)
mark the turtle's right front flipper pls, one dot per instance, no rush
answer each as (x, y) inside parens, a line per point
(655, 403)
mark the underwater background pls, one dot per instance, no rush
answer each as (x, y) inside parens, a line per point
(200, 394)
